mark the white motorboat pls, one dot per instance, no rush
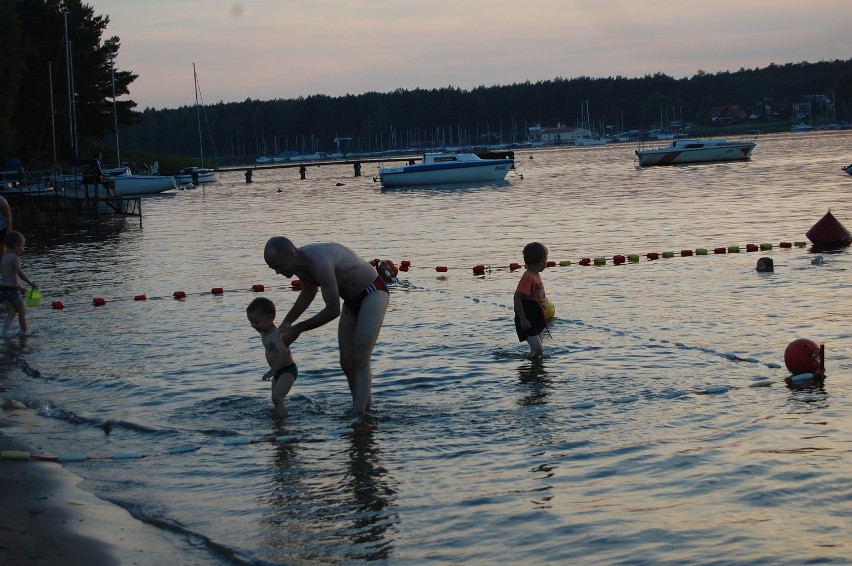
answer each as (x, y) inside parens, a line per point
(131, 184)
(196, 176)
(446, 168)
(697, 151)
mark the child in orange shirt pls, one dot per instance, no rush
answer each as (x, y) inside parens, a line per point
(529, 299)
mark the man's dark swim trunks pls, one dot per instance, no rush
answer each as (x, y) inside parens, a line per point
(355, 304)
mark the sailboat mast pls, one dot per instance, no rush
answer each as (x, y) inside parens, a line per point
(198, 113)
(114, 109)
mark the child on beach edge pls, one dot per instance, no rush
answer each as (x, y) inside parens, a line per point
(11, 292)
(529, 299)
(282, 368)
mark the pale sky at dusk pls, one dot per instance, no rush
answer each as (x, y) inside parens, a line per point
(268, 49)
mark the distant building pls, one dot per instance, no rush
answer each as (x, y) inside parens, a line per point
(726, 115)
(810, 106)
(555, 134)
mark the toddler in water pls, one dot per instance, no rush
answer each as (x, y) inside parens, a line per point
(529, 298)
(282, 368)
(10, 285)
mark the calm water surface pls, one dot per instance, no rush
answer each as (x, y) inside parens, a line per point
(607, 452)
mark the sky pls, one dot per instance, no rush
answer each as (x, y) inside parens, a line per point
(282, 49)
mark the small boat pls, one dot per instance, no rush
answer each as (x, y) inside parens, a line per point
(196, 175)
(446, 168)
(130, 184)
(801, 127)
(848, 169)
(697, 151)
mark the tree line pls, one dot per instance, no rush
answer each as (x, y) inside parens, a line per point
(40, 57)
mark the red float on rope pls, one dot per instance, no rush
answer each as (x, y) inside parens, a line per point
(140, 298)
(720, 250)
(179, 295)
(98, 301)
(57, 305)
(257, 288)
(752, 247)
(217, 290)
(296, 284)
(652, 255)
(785, 245)
(479, 269)
(441, 268)
(685, 253)
(585, 261)
(551, 263)
(618, 259)
(404, 265)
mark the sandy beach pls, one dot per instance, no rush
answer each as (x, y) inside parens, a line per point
(45, 518)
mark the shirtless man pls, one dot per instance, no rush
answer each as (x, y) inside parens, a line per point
(337, 273)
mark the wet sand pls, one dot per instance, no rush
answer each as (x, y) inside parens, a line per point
(45, 519)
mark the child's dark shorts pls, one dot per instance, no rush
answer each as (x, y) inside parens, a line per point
(533, 312)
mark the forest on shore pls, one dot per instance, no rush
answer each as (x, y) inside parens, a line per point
(40, 37)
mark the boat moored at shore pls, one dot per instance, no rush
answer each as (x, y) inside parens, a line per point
(697, 151)
(446, 168)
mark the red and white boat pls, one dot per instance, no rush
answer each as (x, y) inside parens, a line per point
(697, 151)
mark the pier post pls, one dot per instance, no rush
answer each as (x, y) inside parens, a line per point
(357, 167)
(248, 175)
(302, 171)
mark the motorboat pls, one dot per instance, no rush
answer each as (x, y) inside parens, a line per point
(196, 175)
(446, 168)
(697, 151)
(128, 183)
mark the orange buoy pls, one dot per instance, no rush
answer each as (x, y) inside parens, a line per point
(685, 253)
(140, 298)
(217, 290)
(57, 305)
(257, 288)
(441, 269)
(98, 301)
(802, 356)
(829, 233)
(179, 295)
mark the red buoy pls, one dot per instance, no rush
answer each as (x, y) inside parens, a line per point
(296, 284)
(441, 269)
(685, 253)
(404, 265)
(257, 288)
(802, 356)
(829, 233)
(479, 269)
(618, 259)
(752, 247)
(551, 263)
(217, 290)
(514, 265)
(785, 245)
(179, 295)
(140, 298)
(98, 301)
(720, 250)
(652, 255)
(586, 261)
(57, 305)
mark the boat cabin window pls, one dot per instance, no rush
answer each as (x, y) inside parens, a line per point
(441, 158)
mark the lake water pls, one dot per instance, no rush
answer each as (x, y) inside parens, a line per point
(607, 452)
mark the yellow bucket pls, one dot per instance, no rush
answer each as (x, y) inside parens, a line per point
(33, 298)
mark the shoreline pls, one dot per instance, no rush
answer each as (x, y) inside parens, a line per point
(46, 519)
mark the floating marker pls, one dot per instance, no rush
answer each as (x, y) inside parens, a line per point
(701, 251)
(127, 456)
(257, 288)
(586, 261)
(668, 254)
(57, 305)
(600, 261)
(751, 247)
(583, 405)
(217, 290)
(514, 265)
(802, 377)
(179, 295)
(713, 389)
(14, 455)
(565, 263)
(72, 458)
(98, 301)
(627, 399)
(441, 269)
(140, 298)
(632, 258)
(773, 365)
(685, 253)
(762, 383)
(765, 246)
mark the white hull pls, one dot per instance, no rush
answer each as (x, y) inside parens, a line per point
(696, 151)
(443, 169)
(135, 185)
